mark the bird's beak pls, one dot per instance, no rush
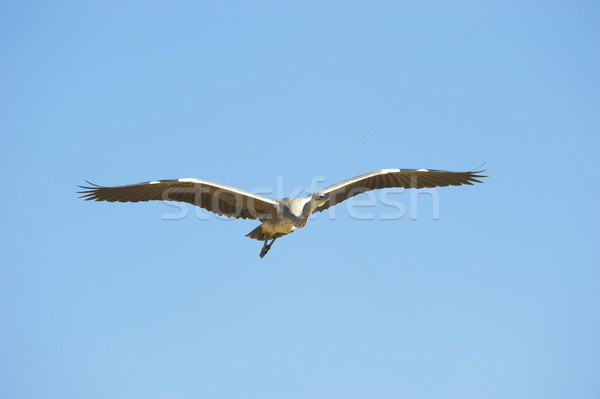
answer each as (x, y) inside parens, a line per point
(324, 198)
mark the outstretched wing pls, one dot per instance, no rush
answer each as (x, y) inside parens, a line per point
(214, 197)
(387, 178)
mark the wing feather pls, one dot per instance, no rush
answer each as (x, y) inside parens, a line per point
(388, 178)
(214, 197)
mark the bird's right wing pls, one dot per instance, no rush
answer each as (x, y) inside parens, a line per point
(387, 178)
(214, 197)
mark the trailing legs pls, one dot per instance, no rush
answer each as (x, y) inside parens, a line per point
(266, 247)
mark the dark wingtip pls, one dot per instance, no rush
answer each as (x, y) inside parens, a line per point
(88, 191)
(477, 173)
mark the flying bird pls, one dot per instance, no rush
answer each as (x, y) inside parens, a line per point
(279, 217)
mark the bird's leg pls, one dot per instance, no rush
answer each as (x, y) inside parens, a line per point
(266, 247)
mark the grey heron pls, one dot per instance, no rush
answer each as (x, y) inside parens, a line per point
(279, 217)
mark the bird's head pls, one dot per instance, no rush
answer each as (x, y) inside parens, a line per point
(320, 199)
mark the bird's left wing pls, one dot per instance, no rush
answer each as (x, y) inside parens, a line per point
(388, 178)
(214, 197)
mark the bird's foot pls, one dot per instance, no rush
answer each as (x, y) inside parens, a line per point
(263, 252)
(266, 248)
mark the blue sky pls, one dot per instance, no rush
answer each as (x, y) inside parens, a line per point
(507, 277)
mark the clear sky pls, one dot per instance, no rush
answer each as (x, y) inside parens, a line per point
(114, 300)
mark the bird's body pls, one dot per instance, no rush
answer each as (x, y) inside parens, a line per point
(293, 214)
(281, 216)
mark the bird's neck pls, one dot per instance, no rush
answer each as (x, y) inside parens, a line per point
(309, 207)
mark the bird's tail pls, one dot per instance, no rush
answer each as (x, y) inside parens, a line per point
(259, 234)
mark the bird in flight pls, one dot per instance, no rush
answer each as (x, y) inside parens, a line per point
(279, 217)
